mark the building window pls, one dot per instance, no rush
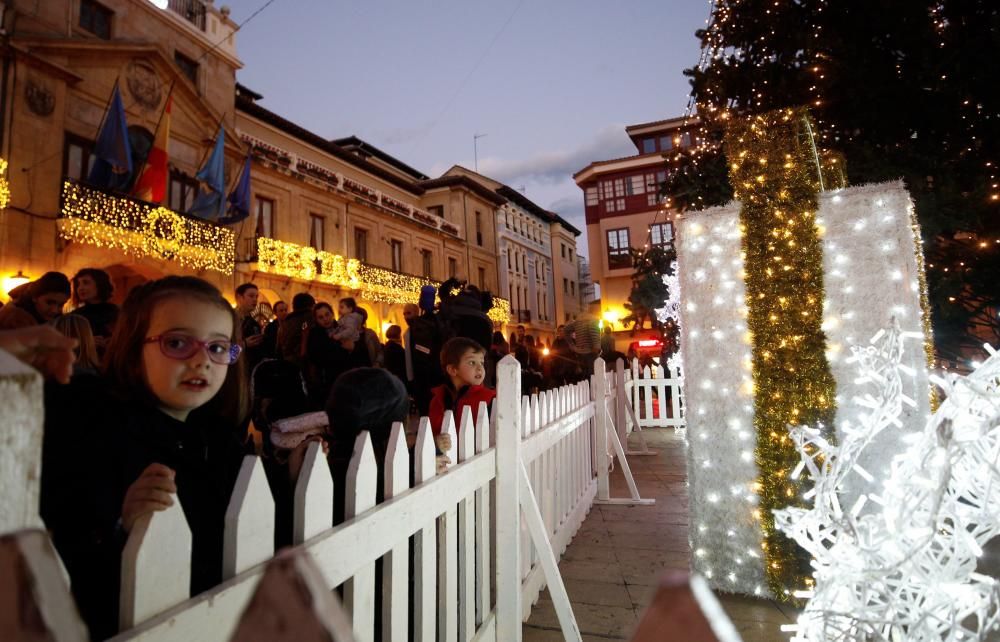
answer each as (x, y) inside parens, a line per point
(661, 234)
(572, 288)
(619, 187)
(618, 249)
(181, 195)
(453, 265)
(562, 247)
(686, 139)
(188, 66)
(666, 143)
(361, 244)
(635, 185)
(397, 255)
(78, 158)
(591, 195)
(436, 210)
(648, 145)
(96, 18)
(317, 232)
(565, 286)
(482, 278)
(426, 260)
(479, 229)
(265, 218)
(570, 255)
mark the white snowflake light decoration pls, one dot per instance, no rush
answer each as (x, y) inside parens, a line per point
(901, 564)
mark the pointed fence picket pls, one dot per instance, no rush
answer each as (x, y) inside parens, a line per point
(476, 570)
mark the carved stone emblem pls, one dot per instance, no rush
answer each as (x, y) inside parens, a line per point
(143, 84)
(39, 98)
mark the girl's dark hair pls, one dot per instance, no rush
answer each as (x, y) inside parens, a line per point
(321, 305)
(49, 282)
(350, 302)
(101, 279)
(123, 358)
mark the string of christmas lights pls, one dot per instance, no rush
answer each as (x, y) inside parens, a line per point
(373, 283)
(139, 229)
(4, 185)
(773, 173)
(901, 563)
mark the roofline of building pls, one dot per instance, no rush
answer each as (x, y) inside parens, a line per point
(521, 200)
(464, 181)
(566, 224)
(620, 163)
(247, 106)
(368, 148)
(674, 123)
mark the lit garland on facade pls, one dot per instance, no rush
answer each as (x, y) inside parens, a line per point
(4, 185)
(925, 303)
(140, 229)
(374, 283)
(774, 176)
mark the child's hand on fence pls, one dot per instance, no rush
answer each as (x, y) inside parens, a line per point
(441, 463)
(443, 442)
(153, 491)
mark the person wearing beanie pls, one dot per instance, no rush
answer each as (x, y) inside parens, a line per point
(37, 302)
(362, 399)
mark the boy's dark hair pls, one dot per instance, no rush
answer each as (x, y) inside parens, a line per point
(350, 302)
(303, 301)
(366, 399)
(101, 279)
(455, 348)
(240, 291)
(321, 305)
(49, 282)
(123, 359)
(394, 332)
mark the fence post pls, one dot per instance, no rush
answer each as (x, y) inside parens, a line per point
(599, 389)
(508, 511)
(21, 435)
(620, 417)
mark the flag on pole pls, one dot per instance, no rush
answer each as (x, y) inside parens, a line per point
(211, 204)
(113, 165)
(152, 182)
(239, 198)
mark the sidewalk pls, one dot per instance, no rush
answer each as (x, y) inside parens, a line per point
(612, 565)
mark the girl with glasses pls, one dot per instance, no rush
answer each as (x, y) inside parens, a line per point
(166, 433)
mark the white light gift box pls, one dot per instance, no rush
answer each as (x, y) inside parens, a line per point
(872, 260)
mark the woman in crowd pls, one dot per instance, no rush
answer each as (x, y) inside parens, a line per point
(37, 302)
(92, 290)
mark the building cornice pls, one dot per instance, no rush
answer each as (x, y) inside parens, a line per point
(618, 164)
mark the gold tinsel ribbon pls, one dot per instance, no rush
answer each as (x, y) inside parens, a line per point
(773, 171)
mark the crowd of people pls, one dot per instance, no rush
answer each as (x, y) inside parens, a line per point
(159, 400)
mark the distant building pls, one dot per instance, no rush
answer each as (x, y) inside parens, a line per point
(538, 260)
(625, 210)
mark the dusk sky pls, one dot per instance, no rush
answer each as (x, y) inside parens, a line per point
(552, 83)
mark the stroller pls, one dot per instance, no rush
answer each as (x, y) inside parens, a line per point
(279, 407)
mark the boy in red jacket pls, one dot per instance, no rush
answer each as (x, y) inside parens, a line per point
(463, 363)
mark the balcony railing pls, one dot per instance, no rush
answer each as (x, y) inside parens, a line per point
(191, 10)
(137, 228)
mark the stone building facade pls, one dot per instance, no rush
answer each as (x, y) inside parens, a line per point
(335, 218)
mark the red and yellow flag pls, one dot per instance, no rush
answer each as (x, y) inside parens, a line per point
(151, 185)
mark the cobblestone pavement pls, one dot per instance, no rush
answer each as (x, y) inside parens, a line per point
(612, 565)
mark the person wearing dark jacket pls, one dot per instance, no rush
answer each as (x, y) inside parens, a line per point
(393, 353)
(36, 302)
(291, 345)
(92, 291)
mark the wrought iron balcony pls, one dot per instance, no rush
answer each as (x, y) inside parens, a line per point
(191, 10)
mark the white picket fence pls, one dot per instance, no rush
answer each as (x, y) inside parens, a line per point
(477, 567)
(655, 395)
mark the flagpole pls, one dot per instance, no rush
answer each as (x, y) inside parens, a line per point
(208, 151)
(159, 122)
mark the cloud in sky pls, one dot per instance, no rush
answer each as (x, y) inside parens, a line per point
(555, 166)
